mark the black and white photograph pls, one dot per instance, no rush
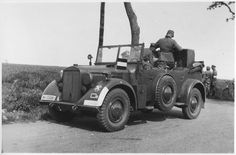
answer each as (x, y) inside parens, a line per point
(117, 76)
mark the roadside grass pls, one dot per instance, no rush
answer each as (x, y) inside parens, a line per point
(22, 87)
(39, 113)
(224, 90)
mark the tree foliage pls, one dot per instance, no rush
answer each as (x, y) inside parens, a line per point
(229, 5)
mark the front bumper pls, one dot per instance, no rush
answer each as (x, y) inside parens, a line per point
(67, 106)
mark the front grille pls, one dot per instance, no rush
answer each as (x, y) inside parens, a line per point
(71, 85)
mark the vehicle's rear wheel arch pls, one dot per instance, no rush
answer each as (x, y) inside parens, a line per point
(201, 88)
(187, 86)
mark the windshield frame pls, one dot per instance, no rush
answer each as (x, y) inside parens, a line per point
(118, 53)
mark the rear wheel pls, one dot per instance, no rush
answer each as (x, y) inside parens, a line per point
(166, 93)
(60, 116)
(115, 110)
(194, 104)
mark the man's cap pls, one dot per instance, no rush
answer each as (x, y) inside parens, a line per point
(170, 32)
(213, 66)
(208, 68)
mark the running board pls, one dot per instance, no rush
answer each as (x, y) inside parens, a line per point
(179, 103)
(149, 108)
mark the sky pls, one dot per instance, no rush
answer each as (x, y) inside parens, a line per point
(64, 33)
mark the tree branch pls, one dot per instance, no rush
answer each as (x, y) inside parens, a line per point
(223, 3)
(135, 30)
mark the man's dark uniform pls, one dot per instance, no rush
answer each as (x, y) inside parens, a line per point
(167, 47)
(147, 59)
(207, 81)
(213, 81)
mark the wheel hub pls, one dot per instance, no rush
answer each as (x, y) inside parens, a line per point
(167, 94)
(193, 104)
(115, 112)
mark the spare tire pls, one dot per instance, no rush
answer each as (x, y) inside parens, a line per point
(166, 93)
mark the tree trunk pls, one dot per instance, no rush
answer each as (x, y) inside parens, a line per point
(101, 29)
(135, 30)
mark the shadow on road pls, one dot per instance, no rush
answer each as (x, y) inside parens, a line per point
(136, 118)
(82, 122)
(155, 116)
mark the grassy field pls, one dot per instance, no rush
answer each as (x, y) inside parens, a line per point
(22, 87)
(9, 69)
(223, 90)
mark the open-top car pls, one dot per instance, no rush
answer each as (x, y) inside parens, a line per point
(120, 83)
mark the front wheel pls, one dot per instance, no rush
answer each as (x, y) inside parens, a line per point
(194, 104)
(115, 110)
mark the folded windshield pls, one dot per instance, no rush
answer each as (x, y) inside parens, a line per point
(109, 54)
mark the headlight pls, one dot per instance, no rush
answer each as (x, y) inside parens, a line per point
(87, 78)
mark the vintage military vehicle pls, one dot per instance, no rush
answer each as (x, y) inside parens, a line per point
(119, 83)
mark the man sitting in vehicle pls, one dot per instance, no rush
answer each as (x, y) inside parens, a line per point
(167, 47)
(207, 78)
(148, 59)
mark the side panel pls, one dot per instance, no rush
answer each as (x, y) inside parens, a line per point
(182, 76)
(141, 91)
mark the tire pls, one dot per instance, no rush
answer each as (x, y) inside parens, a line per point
(115, 110)
(60, 116)
(166, 93)
(194, 104)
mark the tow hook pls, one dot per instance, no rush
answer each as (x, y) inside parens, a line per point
(74, 108)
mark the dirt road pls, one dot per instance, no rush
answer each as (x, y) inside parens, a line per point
(156, 132)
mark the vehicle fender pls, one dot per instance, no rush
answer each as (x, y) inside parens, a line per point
(106, 86)
(187, 86)
(51, 92)
(120, 83)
